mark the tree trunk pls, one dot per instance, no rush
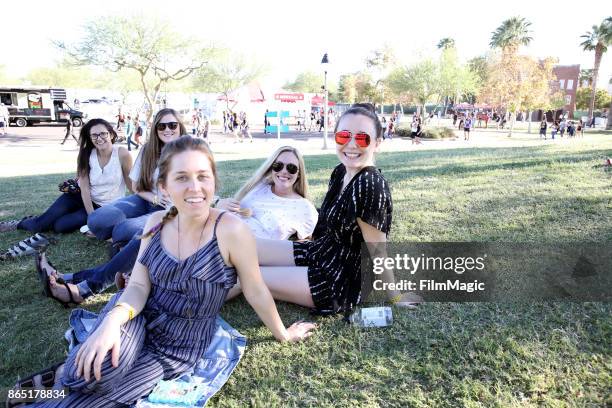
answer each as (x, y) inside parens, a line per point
(513, 117)
(598, 54)
(609, 125)
(529, 121)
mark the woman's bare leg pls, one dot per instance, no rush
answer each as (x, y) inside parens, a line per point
(286, 283)
(274, 252)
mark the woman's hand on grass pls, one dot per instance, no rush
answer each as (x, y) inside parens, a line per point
(300, 330)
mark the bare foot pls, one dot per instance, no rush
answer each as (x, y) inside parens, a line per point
(60, 291)
(46, 266)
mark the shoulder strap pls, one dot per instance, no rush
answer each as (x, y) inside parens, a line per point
(217, 223)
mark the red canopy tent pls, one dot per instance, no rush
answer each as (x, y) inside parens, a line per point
(319, 101)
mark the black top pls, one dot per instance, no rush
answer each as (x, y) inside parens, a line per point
(334, 257)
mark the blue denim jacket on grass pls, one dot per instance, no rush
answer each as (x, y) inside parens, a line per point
(209, 375)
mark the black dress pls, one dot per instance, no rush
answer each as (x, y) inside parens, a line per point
(333, 258)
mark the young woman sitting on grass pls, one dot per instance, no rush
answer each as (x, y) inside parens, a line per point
(274, 202)
(160, 326)
(325, 274)
(102, 171)
(125, 218)
(274, 206)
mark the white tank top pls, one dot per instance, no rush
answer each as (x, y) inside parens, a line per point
(106, 184)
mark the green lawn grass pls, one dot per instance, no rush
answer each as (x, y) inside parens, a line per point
(441, 355)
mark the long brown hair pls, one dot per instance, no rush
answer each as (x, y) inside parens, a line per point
(86, 145)
(180, 145)
(152, 150)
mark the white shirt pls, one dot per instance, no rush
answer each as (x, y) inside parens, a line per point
(106, 184)
(276, 217)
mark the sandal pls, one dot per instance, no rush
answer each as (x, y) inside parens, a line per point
(46, 285)
(29, 246)
(44, 378)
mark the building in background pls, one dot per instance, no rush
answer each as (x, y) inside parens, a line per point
(568, 84)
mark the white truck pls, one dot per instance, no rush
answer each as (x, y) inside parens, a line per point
(28, 105)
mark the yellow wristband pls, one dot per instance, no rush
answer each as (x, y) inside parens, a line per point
(127, 307)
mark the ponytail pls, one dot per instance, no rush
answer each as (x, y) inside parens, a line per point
(170, 214)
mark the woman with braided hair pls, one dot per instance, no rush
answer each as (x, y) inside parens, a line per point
(161, 324)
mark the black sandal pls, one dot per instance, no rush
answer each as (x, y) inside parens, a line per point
(44, 277)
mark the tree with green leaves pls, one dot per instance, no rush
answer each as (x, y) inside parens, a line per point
(379, 63)
(357, 87)
(306, 81)
(145, 45)
(597, 40)
(455, 79)
(583, 99)
(446, 43)
(510, 35)
(421, 82)
(227, 72)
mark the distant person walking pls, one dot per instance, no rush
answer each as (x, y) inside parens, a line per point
(69, 132)
(4, 118)
(467, 125)
(543, 128)
(129, 133)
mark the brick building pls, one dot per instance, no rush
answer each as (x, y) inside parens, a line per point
(568, 83)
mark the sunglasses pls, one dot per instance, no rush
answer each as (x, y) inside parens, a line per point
(101, 135)
(278, 167)
(170, 125)
(344, 136)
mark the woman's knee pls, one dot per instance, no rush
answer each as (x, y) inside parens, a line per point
(102, 221)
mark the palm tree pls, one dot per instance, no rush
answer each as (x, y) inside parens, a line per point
(446, 43)
(511, 34)
(597, 40)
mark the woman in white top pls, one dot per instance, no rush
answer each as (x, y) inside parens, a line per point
(102, 171)
(276, 198)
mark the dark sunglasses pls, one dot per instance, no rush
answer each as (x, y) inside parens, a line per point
(278, 167)
(344, 136)
(170, 125)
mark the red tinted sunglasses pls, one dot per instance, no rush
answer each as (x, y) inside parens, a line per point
(344, 136)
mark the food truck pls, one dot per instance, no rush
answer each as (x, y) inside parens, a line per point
(28, 105)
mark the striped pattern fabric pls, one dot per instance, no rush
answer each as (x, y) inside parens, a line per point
(334, 257)
(168, 337)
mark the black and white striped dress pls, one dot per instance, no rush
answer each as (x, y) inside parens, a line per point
(334, 257)
(167, 338)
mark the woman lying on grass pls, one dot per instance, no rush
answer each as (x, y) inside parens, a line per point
(325, 274)
(162, 323)
(102, 171)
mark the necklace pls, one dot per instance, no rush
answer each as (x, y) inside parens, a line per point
(187, 292)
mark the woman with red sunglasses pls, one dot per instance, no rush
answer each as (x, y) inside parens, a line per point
(325, 274)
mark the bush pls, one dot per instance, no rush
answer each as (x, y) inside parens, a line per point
(429, 133)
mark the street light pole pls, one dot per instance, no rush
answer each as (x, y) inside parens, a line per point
(325, 60)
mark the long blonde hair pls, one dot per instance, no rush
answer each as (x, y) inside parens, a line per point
(264, 174)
